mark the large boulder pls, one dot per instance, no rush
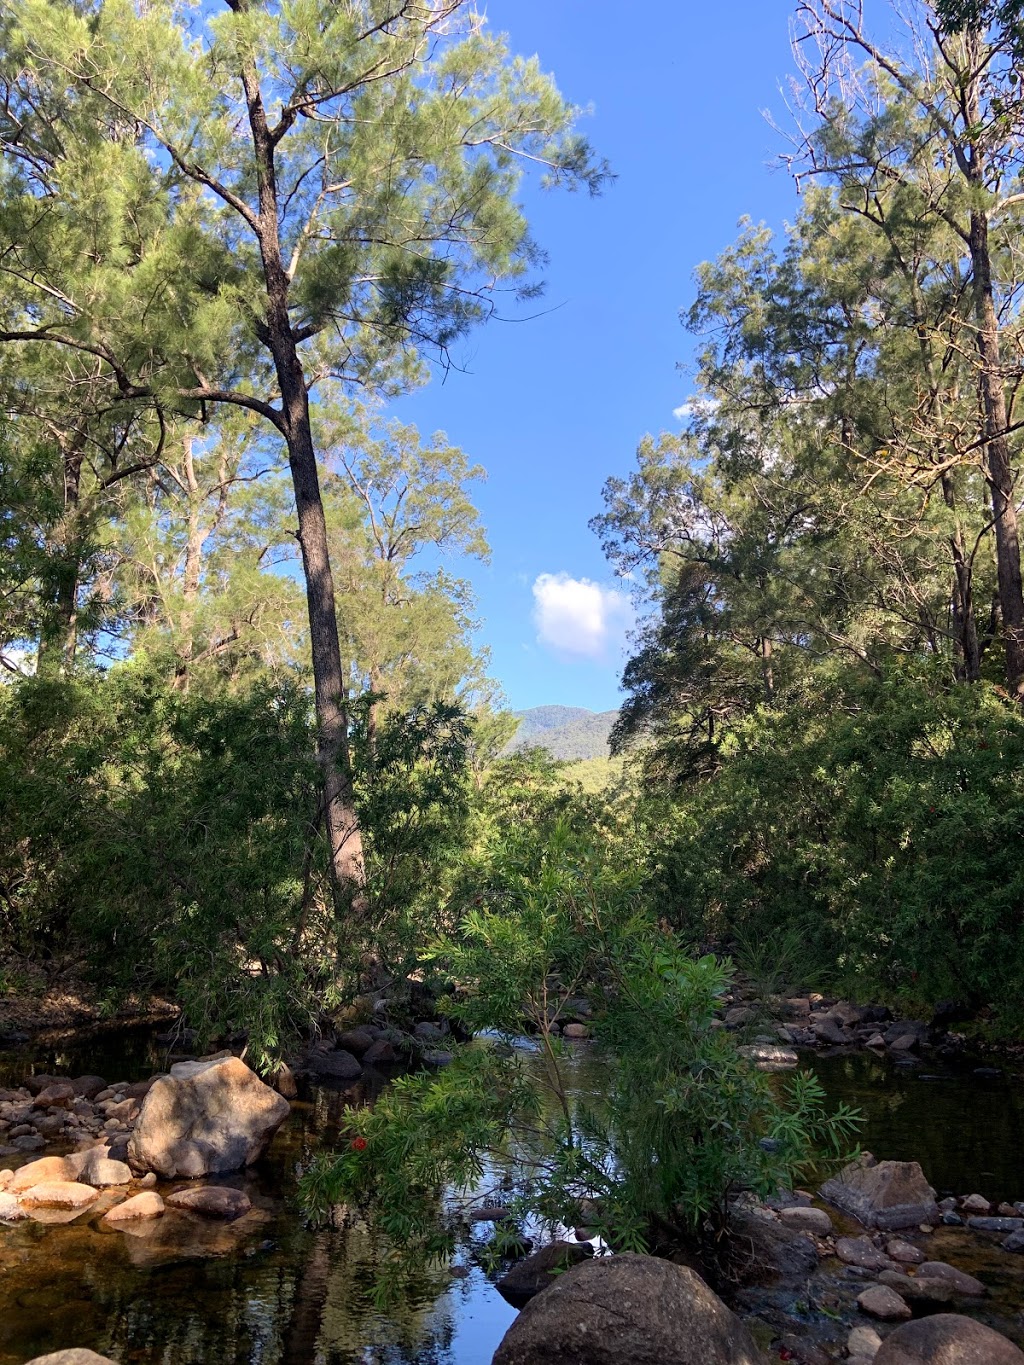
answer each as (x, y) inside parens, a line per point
(883, 1194)
(205, 1118)
(76, 1356)
(627, 1310)
(947, 1339)
(764, 1251)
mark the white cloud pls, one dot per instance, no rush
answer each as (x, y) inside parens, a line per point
(578, 618)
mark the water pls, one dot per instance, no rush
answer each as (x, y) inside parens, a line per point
(271, 1289)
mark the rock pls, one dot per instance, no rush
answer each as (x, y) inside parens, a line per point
(829, 1030)
(488, 1213)
(577, 1031)
(859, 1251)
(212, 1201)
(995, 1224)
(883, 1303)
(28, 1142)
(76, 1356)
(627, 1310)
(380, 1053)
(34, 1084)
(816, 1221)
(145, 1205)
(61, 1093)
(428, 1032)
(10, 1208)
(528, 1277)
(357, 1040)
(768, 1057)
(890, 1194)
(88, 1087)
(904, 1252)
(59, 1194)
(1008, 1211)
(95, 1167)
(975, 1203)
(963, 1283)
(206, 1118)
(904, 1028)
(863, 1341)
(947, 1339)
(906, 1042)
(918, 1290)
(337, 1066)
(875, 1041)
(1015, 1242)
(47, 1168)
(767, 1252)
(575, 1006)
(437, 1058)
(739, 1015)
(282, 1078)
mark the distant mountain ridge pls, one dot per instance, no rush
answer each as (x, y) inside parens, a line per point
(565, 731)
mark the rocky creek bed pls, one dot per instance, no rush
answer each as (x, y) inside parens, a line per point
(262, 1286)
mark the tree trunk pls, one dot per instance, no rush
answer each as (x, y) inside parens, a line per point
(344, 837)
(965, 625)
(998, 469)
(193, 564)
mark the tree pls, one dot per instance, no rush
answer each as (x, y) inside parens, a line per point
(239, 208)
(950, 138)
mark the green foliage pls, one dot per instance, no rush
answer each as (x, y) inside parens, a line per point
(879, 824)
(650, 1153)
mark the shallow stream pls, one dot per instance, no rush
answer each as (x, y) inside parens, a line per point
(271, 1290)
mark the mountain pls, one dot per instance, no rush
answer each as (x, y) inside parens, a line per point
(565, 731)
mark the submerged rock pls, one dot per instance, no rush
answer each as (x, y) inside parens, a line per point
(212, 1201)
(947, 1339)
(205, 1118)
(627, 1310)
(888, 1194)
(537, 1272)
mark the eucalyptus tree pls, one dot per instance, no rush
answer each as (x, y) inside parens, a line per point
(941, 126)
(229, 208)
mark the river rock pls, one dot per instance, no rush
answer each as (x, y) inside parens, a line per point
(947, 1339)
(884, 1303)
(338, 1065)
(60, 1094)
(918, 1290)
(212, 1201)
(76, 1356)
(802, 1219)
(829, 1030)
(962, 1283)
(1015, 1242)
(358, 1040)
(766, 1251)
(975, 1203)
(10, 1208)
(59, 1194)
(282, 1078)
(862, 1252)
(428, 1032)
(529, 1276)
(380, 1053)
(995, 1224)
(889, 1194)
(148, 1204)
(88, 1087)
(45, 1169)
(95, 1167)
(768, 1057)
(627, 1310)
(863, 1341)
(904, 1252)
(577, 1031)
(206, 1118)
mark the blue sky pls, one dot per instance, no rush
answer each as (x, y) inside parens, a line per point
(554, 405)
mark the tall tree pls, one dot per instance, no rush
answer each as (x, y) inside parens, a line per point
(238, 207)
(871, 105)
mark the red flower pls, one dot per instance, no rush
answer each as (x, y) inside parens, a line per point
(358, 1144)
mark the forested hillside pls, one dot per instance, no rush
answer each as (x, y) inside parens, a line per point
(569, 732)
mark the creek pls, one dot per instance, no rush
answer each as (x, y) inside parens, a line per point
(270, 1289)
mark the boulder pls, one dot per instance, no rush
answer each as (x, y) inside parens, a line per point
(889, 1194)
(282, 1078)
(904, 1252)
(205, 1118)
(212, 1201)
(145, 1205)
(59, 1194)
(88, 1087)
(627, 1310)
(861, 1252)
(95, 1167)
(765, 1251)
(338, 1065)
(919, 1290)
(380, 1053)
(947, 1339)
(358, 1040)
(995, 1224)
(976, 1203)
(883, 1303)
(10, 1208)
(45, 1169)
(577, 1031)
(76, 1356)
(61, 1094)
(537, 1272)
(829, 1030)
